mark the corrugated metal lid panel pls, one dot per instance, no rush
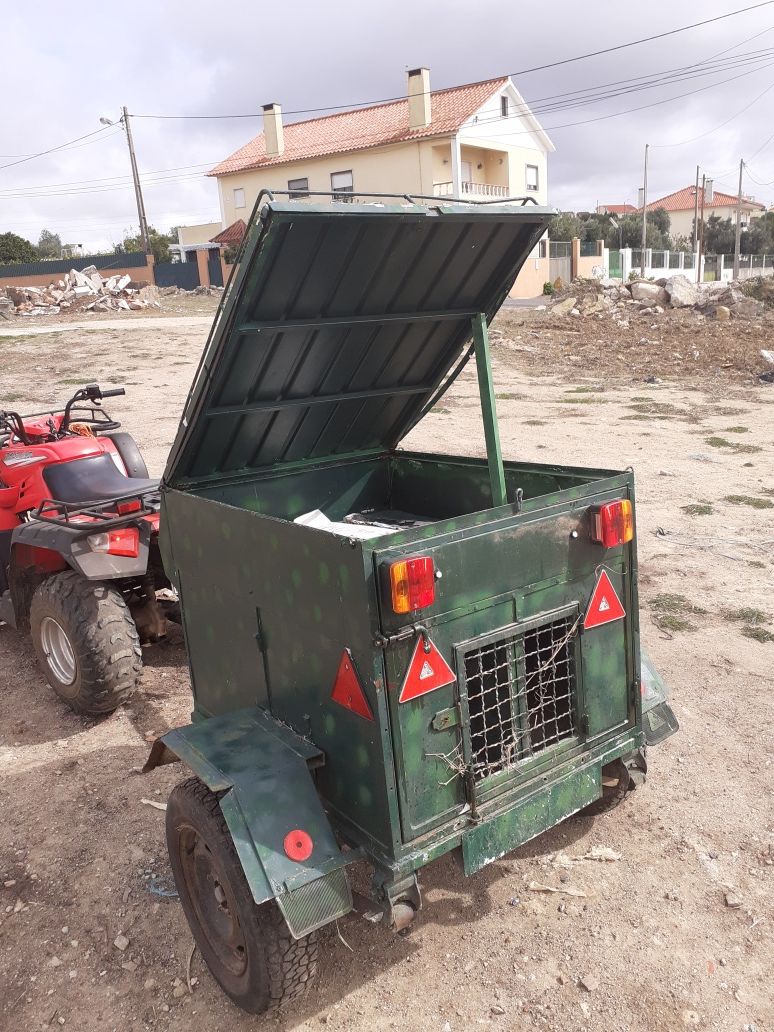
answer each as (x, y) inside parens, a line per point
(390, 295)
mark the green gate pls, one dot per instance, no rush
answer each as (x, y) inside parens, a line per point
(614, 265)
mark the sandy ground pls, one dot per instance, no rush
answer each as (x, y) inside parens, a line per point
(675, 934)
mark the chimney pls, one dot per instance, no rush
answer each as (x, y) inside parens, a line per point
(640, 197)
(419, 98)
(272, 130)
(709, 191)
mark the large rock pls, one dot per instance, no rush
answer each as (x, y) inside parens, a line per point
(747, 308)
(564, 307)
(682, 293)
(650, 292)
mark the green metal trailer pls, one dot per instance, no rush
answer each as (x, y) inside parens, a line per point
(393, 654)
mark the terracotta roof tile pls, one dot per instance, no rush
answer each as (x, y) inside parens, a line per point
(616, 209)
(363, 128)
(683, 200)
(231, 234)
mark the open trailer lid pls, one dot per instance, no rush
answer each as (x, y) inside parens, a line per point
(338, 327)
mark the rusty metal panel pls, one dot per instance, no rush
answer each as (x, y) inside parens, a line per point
(339, 327)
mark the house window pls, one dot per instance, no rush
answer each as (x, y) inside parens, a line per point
(341, 185)
(298, 187)
(239, 198)
(532, 177)
(505, 106)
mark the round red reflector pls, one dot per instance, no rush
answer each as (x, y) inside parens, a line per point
(298, 845)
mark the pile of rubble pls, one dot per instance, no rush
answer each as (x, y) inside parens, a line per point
(654, 297)
(85, 291)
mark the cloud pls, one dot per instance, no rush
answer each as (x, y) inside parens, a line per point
(204, 58)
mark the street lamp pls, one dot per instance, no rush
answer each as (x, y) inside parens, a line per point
(617, 225)
(124, 121)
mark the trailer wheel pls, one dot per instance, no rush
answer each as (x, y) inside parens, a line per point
(86, 642)
(617, 782)
(248, 948)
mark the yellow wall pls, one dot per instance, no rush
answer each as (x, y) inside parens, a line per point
(404, 168)
(681, 222)
(202, 234)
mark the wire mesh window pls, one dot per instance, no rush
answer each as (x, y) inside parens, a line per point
(521, 692)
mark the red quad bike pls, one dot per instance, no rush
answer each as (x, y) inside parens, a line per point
(79, 556)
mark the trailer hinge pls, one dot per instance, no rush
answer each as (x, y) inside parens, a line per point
(382, 641)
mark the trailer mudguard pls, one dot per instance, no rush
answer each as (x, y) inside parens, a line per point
(658, 720)
(263, 769)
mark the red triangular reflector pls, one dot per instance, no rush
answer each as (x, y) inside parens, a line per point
(426, 672)
(348, 691)
(605, 605)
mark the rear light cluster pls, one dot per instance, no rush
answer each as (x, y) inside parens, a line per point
(124, 541)
(613, 524)
(412, 584)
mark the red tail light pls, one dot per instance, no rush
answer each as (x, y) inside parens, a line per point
(124, 508)
(125, 541)
(412, 584)
(613, 524)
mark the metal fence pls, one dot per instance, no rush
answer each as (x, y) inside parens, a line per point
(134, 260)
(589, 248)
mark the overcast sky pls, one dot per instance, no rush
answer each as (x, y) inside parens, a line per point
(65, 67)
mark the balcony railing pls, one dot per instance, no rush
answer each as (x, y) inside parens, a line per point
(470, 190)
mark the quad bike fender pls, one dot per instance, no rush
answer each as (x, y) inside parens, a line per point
(73, 548)
(272, 809)
(658, 720)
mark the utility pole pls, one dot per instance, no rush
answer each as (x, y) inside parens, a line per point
(701, 230)
(124, 121)
(644, 211)
(137, 190)
(738, 237)
(696, 212)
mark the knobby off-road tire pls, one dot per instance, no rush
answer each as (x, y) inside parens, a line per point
(92, 621)
(614, 794)
(248, 948)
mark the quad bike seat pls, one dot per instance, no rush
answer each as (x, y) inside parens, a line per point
(95, 479)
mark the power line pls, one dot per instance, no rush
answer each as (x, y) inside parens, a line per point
(61, 146)
(741, 111)
(522, 71)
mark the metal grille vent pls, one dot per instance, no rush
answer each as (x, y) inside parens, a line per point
(521, 695)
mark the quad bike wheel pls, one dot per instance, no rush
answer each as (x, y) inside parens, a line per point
(248, 948)
(86, 642)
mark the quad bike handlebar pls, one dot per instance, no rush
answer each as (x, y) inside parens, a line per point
(12, 424)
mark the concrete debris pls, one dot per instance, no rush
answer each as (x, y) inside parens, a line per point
(80, 291)
(720, 301)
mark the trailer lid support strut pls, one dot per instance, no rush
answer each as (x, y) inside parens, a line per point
(494, 453)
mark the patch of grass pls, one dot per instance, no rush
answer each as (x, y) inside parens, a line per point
(698, 509)
(440, 412)
(671, 622)
(581, 401)
(747, 614)
(671, 602)
(534, 422)
(75, 381)
(657, 408)
(737, 430)
(754, 503)
(756, 564)
(585, 390)
(768, 490)
(738, 449)
(758, 634)
(729, 410)
(510, 397)
(669, 611)
(10, 398)
(636, 415)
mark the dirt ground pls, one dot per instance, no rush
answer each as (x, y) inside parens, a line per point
(675, 934)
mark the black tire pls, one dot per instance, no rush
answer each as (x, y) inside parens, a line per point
(248, 948)
(612, 794)
(101, 635)
(131, 456)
